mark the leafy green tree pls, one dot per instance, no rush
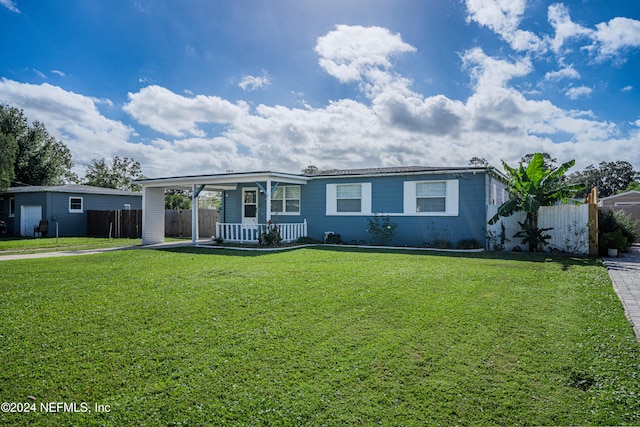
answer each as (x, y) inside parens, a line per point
(311, 170)
(531, 188)
(8, 150)
(119, 175)
(478, 161)
(177, 199)
(633, 186)
(549, 162)
(609, 177)
(40, 159)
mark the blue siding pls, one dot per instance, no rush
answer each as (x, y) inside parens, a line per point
(55, 209)
(387, 197)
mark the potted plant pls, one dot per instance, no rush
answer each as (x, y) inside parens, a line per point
(614, 242)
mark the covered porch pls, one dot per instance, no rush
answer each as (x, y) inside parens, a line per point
(246, 228)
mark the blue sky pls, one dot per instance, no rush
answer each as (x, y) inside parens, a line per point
(204, 86)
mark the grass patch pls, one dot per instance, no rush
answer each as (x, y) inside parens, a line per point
(51, 244)
(317, 336)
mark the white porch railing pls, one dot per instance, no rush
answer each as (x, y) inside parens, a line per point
(248, 233)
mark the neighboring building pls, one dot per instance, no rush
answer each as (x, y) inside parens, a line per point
(427, 203)
(629, 198)
(22, 208)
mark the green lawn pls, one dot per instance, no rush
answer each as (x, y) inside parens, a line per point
(51, 244)
(316, 337)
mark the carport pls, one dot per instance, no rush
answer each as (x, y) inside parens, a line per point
(153, 193)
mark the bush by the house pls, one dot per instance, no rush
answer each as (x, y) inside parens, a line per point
(612, 240)
(613, 225)
(468, 244)
(381, 229)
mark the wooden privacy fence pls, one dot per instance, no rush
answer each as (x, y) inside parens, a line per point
(177, 223)
(121, 223)
(128, 223)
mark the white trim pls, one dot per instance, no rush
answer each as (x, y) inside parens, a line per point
(451, 200)
(221, 182)
(332, 199)
(81, 210)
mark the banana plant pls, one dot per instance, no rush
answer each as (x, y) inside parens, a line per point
(531, 188)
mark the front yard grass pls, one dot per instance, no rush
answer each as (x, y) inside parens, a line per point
(316, 337)
(12, 245)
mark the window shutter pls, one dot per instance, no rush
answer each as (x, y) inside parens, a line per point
(410, 197)
(452, 197)
(331, 204)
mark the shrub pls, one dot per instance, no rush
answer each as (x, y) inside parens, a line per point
(306, 240)
(442, 244)
(612, 240)
(381, 229)
(468, 244)
(610, 221)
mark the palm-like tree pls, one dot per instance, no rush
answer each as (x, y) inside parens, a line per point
(531, 188)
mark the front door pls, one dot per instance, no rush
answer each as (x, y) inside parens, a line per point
(30, 217)
(250, 206)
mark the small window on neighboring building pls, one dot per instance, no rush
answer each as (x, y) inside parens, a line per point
(12, 206)
(286, 200)
(75, 205)
(127, 206)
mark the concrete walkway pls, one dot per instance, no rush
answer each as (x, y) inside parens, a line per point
(625, 275)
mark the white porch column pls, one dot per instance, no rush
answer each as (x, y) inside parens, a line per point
(152, 215)
(268, 197)
(194, 215)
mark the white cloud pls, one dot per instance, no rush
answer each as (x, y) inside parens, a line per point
(503, 17)
(175, 115)
(58, 72)
(251, 83)
(577, 92)
(349, 52)
(627, 88)
(565, 28)
(9, 4)
(616, 35)
(70, 117)
(491, 72)
(565, 73)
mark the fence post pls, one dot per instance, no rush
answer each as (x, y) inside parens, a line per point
(592, 200)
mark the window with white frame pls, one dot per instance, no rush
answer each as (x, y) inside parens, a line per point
(12, 206)
(286, 200)
(431, 197)
(349, 199)
(75, 205)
